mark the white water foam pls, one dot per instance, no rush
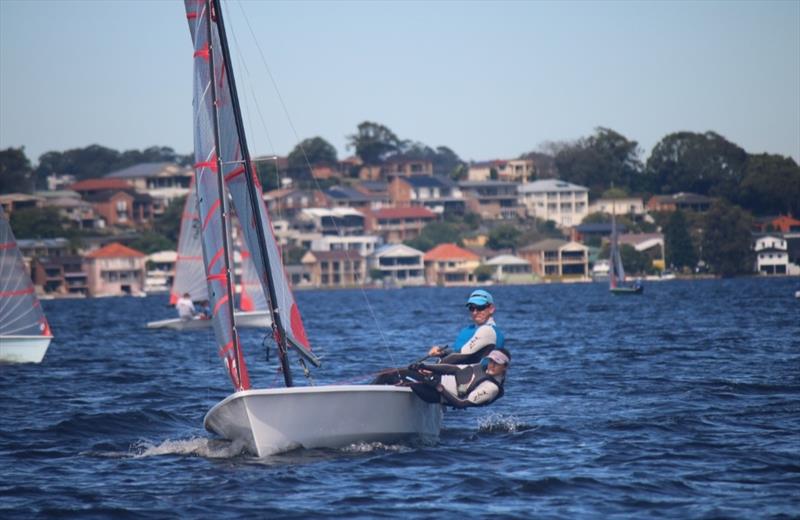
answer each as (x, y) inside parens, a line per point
(198, 446)
(367, 447)
(501, 423)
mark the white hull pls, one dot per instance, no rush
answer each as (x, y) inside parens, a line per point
(257, 319)
(23, 349)
(276, 420)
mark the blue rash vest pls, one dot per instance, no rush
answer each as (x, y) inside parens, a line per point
(474, 342)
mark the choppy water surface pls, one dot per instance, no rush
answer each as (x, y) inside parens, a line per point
(682, 402)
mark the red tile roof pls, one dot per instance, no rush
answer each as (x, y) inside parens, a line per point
(785, 223)
(449, 252)
(100, 184)
(115, 250)
(412, 212)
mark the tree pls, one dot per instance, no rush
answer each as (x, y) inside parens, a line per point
(15, 171)
(168, 224)
(484, 272)
(634, 261)
(151, 241)
(604, 159)
(437, 233)
(373, 142)
(726, 239)
(504, 236)
(680, 251)
(707, 164)
(37, 223)
(311, 152)
(771, 185)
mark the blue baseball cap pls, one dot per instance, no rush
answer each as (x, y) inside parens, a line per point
(480, 297)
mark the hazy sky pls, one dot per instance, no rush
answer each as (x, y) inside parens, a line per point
(487, 79)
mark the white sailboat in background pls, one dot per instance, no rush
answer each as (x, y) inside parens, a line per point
(273, 420)
(190, 277)
(24, 331)
(616, 281)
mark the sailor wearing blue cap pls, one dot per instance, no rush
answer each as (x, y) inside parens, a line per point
(475, 341)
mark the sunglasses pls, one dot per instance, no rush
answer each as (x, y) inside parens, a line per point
(472, 307)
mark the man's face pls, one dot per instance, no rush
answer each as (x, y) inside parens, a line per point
(480, 313)
(495, 369)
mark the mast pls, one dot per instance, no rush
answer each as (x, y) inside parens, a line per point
(612, 257)
(224, 204)
(277, 323)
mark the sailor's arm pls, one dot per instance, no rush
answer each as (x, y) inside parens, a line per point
(484, 336)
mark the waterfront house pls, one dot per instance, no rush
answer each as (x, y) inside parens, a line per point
(554, 258)
(31, 248)
(330, 269)
(396, 225)
(60, 275)
(450, 265)
(562, 202)
(772, 256)
(399, 265)
(511, 269)
(160, 271)
(115, 270)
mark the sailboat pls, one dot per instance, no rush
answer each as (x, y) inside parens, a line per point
(190, 277)
(24, 331)
(269, 420)
(616, 272)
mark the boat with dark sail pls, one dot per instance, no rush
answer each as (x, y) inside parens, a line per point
(617, 283)
(269, 420)
(24, 332)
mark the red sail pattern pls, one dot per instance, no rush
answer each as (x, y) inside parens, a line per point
(254, 220)
(189, 270)
(210, 203)
(20, 311)
(252, 297)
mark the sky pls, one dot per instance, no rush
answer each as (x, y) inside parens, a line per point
(489, 80)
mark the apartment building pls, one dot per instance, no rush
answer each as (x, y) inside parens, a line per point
(562, 202)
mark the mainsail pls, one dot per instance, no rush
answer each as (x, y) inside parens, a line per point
(226, 154)
(20, 311)
(190, 273)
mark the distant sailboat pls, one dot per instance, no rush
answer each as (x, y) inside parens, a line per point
(190, 277)
(24, 331)
(272, 420)
(616, 280)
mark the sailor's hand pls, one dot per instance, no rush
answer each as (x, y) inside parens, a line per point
(435, 351)
(439, 388)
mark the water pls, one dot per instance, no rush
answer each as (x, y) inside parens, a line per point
(682, 402)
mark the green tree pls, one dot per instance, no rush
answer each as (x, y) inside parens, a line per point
(15, 171)
(168, 224)
(771, 185)
(604, 159)
(37, 223)
(437, 233)
(635, 263)
(373, 142)
(268, 174)
(484, 272)
(680, 251)
(707, 164)
(726, 239)
(504, 236)
(312, 152)
(152, 241)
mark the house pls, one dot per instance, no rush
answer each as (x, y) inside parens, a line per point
(492, 199)
(630, 206)
(72, 207)
(377, 191)
(511, 269)
(513, 170)
(438, 194)
(325, 172)
(288, 202)
(679, 201)
(91, 186)
(450, 265)
(782, 224)
(11, 202)
(115, 270)
(651, 244)
(771, 255)
(335, 221)
(163, 181)
(399, 265)
(363, 245)
(554, 258)
(396, 225)
(398, 167)
(31, 248)
(564, 203)
(123, 208)
(60, 275)
(594, 232)
(346, 197)
(330, 269)
(160, 271)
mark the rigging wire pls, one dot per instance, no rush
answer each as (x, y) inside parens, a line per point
(290, 122)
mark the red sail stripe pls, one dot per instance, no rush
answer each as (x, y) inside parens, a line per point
(218, 278)
(182, 257)
(222, 301)
(20, 292)
(217, 256)
(211, 212)
(235, 173)
(202, 52)
(7, 245)
(211, 164)
(225, 349)
(191, 215)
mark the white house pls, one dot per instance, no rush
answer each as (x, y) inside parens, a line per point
(772, 256)
(511, 269)
(400, 264)
(624, 206)
(564, 203)
(364, 245)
